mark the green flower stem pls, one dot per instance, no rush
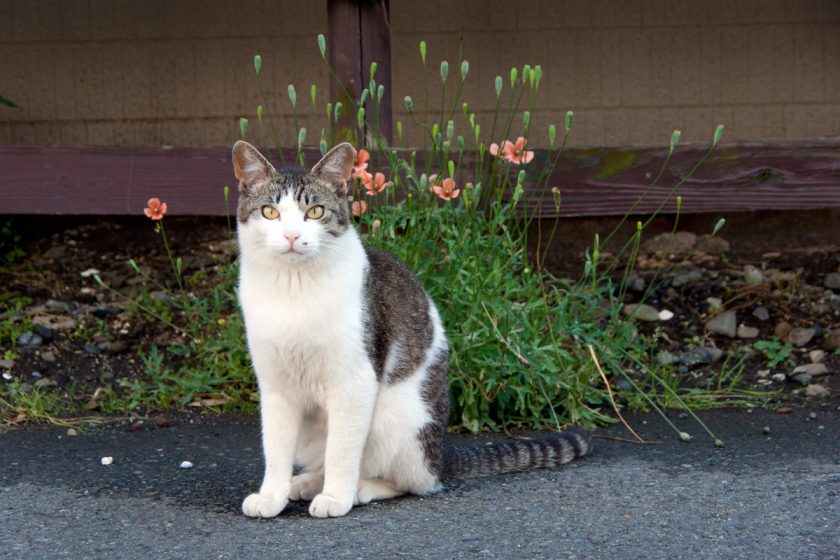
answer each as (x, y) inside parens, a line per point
(175, 268)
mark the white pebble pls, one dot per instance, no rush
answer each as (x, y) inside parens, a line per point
(106, 460)
(7, 376)
(666, 315)
(186, 465)
(89, 272)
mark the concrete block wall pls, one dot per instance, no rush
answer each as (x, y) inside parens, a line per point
(156, 72)
(634, 70)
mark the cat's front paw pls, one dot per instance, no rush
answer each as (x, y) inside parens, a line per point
(262, 505)
(324, 505)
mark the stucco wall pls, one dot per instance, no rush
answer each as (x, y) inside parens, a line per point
(152, 72)
(634, 70)
(180, 72)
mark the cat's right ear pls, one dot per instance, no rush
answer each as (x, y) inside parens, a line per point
(251, 168)
(335, 167)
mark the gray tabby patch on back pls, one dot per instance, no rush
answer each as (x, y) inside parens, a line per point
(398, 329)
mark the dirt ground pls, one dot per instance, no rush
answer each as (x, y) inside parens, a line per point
(776, 272)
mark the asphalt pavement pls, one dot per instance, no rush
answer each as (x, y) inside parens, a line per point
(764, 495)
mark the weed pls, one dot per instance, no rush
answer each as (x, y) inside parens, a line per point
(776, 352)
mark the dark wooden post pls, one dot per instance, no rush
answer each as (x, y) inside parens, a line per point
(358, 34)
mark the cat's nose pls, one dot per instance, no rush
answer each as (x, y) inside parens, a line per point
(292, 237)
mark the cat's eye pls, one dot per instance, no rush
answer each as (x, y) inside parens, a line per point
(315, 212)
(270, 212)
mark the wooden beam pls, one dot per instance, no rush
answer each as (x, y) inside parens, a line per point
(359, 34)
(375, 27)
(345, 55)
(790, 175)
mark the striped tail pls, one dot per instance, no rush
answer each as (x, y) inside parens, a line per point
(516, 456)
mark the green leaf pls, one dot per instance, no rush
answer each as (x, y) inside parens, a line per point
(322, 45)
(8, 103)
(257, 63)
(720, 223)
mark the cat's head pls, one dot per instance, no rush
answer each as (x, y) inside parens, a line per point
(292, 215)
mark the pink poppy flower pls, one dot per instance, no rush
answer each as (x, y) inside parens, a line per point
(514, 153)
(360, 160)
(376, 184)
(446, 190)
(359, 207)
(155, 209)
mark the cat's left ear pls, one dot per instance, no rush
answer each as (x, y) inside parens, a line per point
(250, 166)
(336, 166)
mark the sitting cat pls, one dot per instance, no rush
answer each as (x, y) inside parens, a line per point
(349, 352)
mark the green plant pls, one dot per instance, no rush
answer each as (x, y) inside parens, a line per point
(10, 250)
(520, 336)
(775, 351)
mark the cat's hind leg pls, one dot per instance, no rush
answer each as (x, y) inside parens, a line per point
(306, 486)
(371, 489)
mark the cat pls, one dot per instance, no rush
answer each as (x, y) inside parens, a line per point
(349, 352)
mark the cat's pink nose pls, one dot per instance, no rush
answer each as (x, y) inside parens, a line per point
(292, 237)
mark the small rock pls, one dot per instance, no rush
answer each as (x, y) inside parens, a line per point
(666, 315)
(72, 432)
(747, 332)
(30, 339)
(136, 427)
(761, 313)
(44, 332)
(89, 272)
(782, 330)
(7, 364)
(832, 281)
(114, 347)
(36, 375)
(92, 349)
(763, 373)
(812, 415)
(7, 376)
(44, 382)
(637, 283)
(48, 357)
(816, 391)
(811, 369)
(686, 278)
(753, 276)
(700, 355)
(106, 460)
(642, 312)
(714, 303)
(801, 336)
(778, 377)
(802, 378)
(679, 243)
(765, 430)
(55, 322)
(186, 465)
(665, 358)
(832, 342)
(724, 323)
(816, 356)
(56, 252)
(713, 245)
(160, 296)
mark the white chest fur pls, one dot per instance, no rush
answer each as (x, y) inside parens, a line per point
(306, 318)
